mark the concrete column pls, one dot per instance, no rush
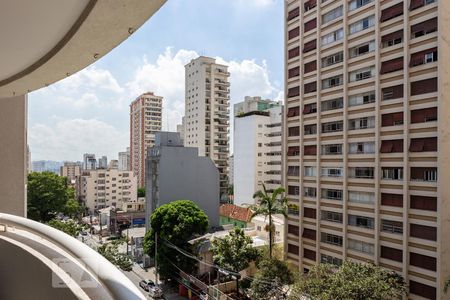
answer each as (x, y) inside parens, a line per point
(13, 155)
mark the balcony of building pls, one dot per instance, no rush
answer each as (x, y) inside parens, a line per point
(66, 36)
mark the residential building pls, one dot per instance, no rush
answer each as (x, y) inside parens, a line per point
(29, 165)
(107, 187)
(257, 147)
(89, 161)
(71, 170)
(365, 131)
(103, 162)
(46, 166)
(66, 37)
(237, 216)
(231, 170)
(124, 160)
(145, 121)
(113, 164)
(207, 96)
(175, 172)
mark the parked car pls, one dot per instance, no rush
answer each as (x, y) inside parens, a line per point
(84, 233)
(146, 284)
(155, 291)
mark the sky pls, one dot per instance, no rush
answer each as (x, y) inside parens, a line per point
(88, 112)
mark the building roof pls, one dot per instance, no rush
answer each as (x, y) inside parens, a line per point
(236, 212)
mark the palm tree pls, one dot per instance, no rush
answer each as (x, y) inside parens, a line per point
(269, 203)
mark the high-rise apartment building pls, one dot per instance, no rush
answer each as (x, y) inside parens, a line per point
(257, 147)
(145, 121)
(71, 170)
(366, 169)
(89, 161)
(103, 162)
(124, 160)
(180, 130)
(207, 96)
(107, 187)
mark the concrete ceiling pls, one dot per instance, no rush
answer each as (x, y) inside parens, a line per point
(47, 40)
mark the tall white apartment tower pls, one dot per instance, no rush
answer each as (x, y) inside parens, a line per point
(367, 137)
(145, 121)
(207, 96)
(257, 147)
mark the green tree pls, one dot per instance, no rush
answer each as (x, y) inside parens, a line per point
(230, 190)
(446, 285)
(47, 195)
(111, 252)
(141, 192)
(269, 204)
(175, 223)
(270, 280)
(235, 251)
(358, 281)
(70, 227)
(72, 208)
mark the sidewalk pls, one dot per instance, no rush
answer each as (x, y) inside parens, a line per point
(149, 273)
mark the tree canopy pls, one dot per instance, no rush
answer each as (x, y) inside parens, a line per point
(141, 192)
(235, 251)
(47, 195)
(175, 223)
(356, 281)
(270, 280)
(70, 227)
(111, 252)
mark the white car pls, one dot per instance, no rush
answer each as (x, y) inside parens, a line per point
(155, 291)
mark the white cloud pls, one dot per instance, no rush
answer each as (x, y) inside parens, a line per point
(257, 3)
(69, 139)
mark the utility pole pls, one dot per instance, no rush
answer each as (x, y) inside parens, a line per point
(156, 260)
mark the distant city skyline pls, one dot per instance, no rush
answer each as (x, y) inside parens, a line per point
(89, 111)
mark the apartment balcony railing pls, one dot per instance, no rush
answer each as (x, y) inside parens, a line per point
(55, 258)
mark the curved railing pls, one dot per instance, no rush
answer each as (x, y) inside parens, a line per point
(111, 278)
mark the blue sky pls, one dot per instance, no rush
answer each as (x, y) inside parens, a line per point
(88, 112)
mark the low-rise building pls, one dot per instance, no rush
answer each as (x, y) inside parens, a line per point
(71, 170)
(236, 215)
(175, 172)
(106, 187)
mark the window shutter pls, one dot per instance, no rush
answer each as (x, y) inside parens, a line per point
(392, 199)
(293, 111)
(310, 66)
(423, 202)
(416, 145)
(293, 13)
(423, 86)
(422, 290)
(293, 249)
(423, 232)
(392, 65)
(293, 151)
(309, 213)
(392, 36)
(292, 229)
(309, 46)
(309, 254)
(293, 33)
(418, 58)
(392, 12)
(310, 150)
(294, 72)
(293, 92)
(309, 233)
(387, 120)
(392, 253)
(294, 52)
(416, 4)
(423, 115)
(422, 261)
(428, 26)
(310, 25)
(310, 87)
(310, 4)
(386, 146)
(294, 131)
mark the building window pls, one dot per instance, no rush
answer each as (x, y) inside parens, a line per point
(424, 28)
(294, 72)
(331, 194)
(361, 221)
(392, 173)
(332, 59)
(309, 192)
(422, 261)
(309, 108)
(331, 239)
(362, 24)
(392, 199)
(328, 259)
(295, 32)
(355, 4)
(310, 4)
(332, 104)
(309, 171)
(392, 39)
(361, 99)
(391, 253)
(424, 115)
(331, 216)
(391, 12)
(332, 149)
(423, 202)
(423, 145)
(422, 290)
(392, 119)
(292, 229)
(310, 129)
(361, 148)
(332, 82)
(360, 246)
(392, 65)
(331, 172)
(293, 111)
(310, 25)
(310, 150)
(424, 86)
(293, 13)
(293, 171)
(423, 232)
(362, 74)
(310, 87)
(293, 190)
(423, 57)
(362, 49)
(310, 46)
(309, 234)
(309, 212)
(361, 197)
(309, 254)
(293, 249)
(424, 174)
(293, 92)
(294, 52)
(332, 15)
(389, 226)
(415, 4)
(361, 172)
(392, 92)
(361, 123)
(293, 151)
(333, 37)
(332, 126)
(310, 66)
